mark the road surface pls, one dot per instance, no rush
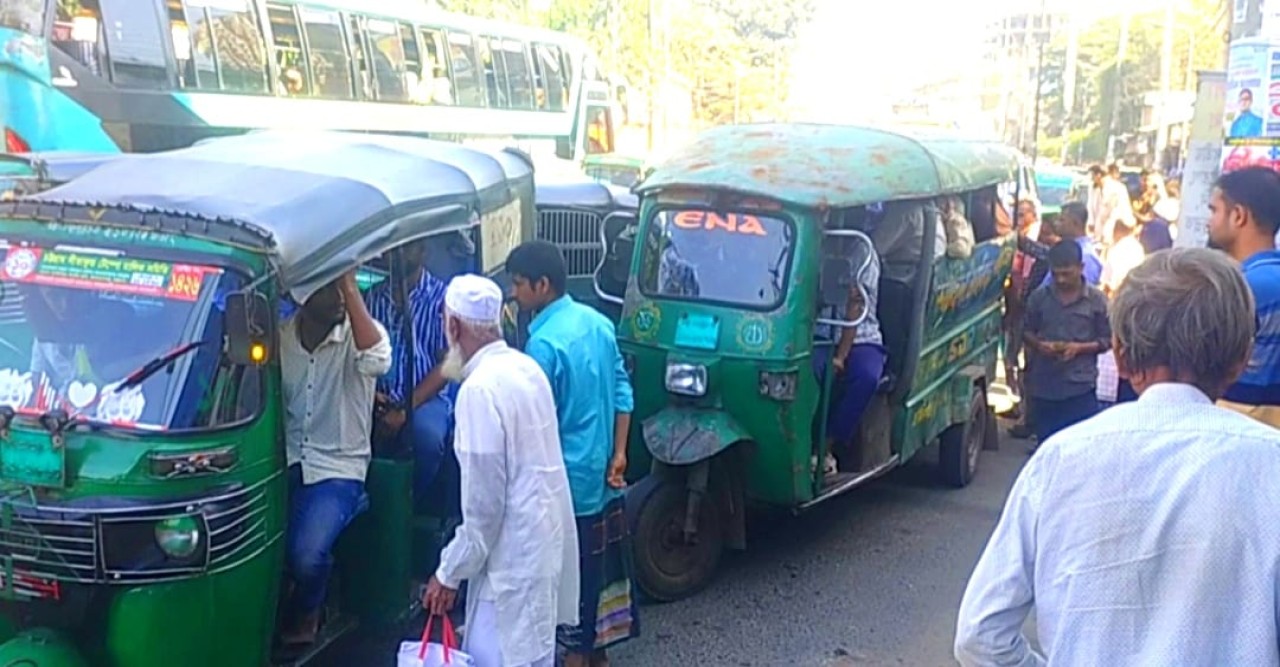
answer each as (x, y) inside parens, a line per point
(873, 578)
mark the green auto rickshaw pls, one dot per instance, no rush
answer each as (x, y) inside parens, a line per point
(614, 169)
(741, 260)
(142, 468)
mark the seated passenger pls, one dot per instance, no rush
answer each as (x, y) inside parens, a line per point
(859, 357)
(899, 237)
(956, 227)
(331, 353)
(424, 389)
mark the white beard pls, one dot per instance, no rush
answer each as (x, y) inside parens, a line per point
(452, 366)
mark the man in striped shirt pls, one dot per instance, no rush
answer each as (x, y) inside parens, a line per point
(1244, 221)
(422, 389)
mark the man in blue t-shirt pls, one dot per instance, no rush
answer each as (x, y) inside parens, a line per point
(1073, 225)
(1245, 218)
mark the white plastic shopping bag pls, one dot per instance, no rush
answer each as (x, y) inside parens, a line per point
(426, 653)
(1108, 378)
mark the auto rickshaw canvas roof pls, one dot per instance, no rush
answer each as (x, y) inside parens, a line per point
(585, 193)
(319, 202)
(833, 166)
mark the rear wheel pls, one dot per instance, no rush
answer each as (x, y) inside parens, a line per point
(962, 444)
(668, 565)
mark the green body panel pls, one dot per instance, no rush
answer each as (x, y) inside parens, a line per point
(40, 648)
(172, 624)
(681, 436)
(375, 557)
(833, 166)
(962, 330)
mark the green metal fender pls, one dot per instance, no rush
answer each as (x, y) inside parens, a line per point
(39, 648)
(683, 436)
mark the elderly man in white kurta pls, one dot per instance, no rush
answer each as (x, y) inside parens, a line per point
(518, 545)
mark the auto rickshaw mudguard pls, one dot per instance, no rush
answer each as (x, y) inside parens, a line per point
(40, 648)
(684, 436)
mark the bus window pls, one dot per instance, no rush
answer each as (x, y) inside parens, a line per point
(435, 71)
(557, 92)
(78, 32)
(495, 73)
(327, 53)
(135, 44)
(599, 134)
(294, 79)
(515, 59)
(388, 60)
(466, 74)
(417, 81)
(218, 45)
(359, 53)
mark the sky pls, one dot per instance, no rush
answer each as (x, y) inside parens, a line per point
(858, 56)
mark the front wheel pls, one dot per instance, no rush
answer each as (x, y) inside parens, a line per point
(670, 566)
(961, 444)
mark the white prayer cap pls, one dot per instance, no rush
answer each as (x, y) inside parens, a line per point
(474, 298)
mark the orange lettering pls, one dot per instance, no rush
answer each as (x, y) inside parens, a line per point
(729, 225)
(751, 225)
(689, 219)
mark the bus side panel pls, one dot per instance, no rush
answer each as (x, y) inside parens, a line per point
(47, 119)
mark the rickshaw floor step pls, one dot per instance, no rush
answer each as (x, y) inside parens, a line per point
(329, 633)
(842, 482)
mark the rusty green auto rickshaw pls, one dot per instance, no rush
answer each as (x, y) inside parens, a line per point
(737, 271)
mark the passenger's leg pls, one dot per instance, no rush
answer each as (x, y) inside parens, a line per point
(429, 432)
(319, 513)
(862, 371)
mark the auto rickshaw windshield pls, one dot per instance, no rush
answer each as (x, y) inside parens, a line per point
(80, 328)
(738, 259)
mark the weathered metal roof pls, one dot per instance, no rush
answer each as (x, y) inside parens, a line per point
(320, 201)
(834, 165)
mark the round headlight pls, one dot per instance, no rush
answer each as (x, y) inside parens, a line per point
(178, 537)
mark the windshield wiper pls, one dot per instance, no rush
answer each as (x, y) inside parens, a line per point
(155, 366)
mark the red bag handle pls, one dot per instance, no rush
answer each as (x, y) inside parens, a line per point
(448, 639)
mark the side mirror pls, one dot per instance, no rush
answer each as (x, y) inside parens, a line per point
(248, 327)
(564, 148)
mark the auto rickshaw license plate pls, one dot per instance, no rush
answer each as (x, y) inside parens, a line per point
(37, 462)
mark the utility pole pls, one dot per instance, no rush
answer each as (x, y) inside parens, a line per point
(1042, 36)
(1118, 86)
(653, 79)
(1166, 85)
(1069, 82)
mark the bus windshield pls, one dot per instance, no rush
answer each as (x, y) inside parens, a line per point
(737, 259)
(24, 15)
(84, 330)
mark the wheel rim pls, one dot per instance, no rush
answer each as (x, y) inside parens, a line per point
(975, 435)
(674, 557)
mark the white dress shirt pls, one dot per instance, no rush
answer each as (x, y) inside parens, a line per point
(1148, 535)
(518, 542)
(1108, 204)
(328, 397)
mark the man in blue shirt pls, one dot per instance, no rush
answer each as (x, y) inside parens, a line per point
(576, 346)
(1247, 123)
(422, 388)
(1243, 223)
(1073, 225)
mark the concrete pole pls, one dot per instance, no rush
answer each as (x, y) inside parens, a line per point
(1069, 81)
(1166, 84)
(1117, 100)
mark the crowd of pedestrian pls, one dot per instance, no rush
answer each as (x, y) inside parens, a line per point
(1146, 534)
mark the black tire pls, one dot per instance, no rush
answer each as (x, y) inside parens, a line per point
(961, 444)
(666, 568)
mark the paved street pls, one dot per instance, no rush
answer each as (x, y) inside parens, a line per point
(870, 579)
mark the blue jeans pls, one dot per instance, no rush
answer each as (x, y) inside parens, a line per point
(432, 422)
(318, 513)
(853, 390)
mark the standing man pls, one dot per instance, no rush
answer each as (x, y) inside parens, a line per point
(1245, 217)
(576, 346)
(331, 353)
(1108, 202)
(1065, 331)
(420, 389)
(517, 544)
(1145, 536)
(1071, 225)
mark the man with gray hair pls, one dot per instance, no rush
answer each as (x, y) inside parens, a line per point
(518, 543)
(1149, 534)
